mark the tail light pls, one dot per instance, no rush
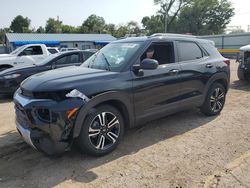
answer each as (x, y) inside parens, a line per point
(227, 62)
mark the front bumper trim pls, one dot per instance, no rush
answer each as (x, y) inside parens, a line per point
(25, 134)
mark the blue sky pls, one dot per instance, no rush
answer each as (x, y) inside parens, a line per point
(74, 12)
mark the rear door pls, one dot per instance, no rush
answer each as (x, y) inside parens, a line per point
(195, 71)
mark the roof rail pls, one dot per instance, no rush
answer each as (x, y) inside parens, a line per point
(172, 35)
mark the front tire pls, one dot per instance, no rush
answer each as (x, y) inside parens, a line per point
(101, 131)
(4, 67)
(240, 73)
(215, 100)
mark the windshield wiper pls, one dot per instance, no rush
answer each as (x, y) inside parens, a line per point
(107, 62)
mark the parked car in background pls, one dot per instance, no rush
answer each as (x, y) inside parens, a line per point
(53, 50)
(127, 83)
(92, 50)
(24, 55)
(68, 49)
(244, 60)
(11, 78)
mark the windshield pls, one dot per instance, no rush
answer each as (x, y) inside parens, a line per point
(16, 51)
(113, 56)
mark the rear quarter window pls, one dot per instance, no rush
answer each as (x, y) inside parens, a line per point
(188, 51)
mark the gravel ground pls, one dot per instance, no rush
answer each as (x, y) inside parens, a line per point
(187, 149)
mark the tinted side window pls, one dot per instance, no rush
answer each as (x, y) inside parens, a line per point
(74, 58)
(189, 51)
(52, 51)
(162, 52)
(62, 60)
(87, 55)
(33, 50)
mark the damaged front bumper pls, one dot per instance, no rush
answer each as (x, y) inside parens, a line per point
(46, 124)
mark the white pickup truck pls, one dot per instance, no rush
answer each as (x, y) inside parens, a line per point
(24, 55)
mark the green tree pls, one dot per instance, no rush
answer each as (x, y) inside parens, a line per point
(20, 24)
(169, 10)
(121, 31)
(205, 17)
(153, 24)
(93, 24)
(53, 26)
(133, 28)
(40, 30)
(110, 29)
(69, 29)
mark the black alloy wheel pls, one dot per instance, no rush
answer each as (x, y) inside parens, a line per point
(215, 100)
(104, 130)
(101, 131)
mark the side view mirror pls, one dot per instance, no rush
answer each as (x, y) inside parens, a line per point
(147, 64)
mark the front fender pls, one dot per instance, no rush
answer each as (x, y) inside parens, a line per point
(99, 99)
(6, 61)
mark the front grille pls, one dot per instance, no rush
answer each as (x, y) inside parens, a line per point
(53, 95)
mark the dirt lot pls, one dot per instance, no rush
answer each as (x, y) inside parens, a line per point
(183, 150)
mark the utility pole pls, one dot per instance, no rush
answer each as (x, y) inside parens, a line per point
(166, 22)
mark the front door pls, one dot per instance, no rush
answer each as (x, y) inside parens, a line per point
(157, 91)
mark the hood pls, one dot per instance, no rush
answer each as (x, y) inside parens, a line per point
(65, 78)
(16, 69)
(6, 56)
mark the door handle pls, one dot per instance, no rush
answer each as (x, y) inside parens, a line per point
(209, 65)
(174, 71)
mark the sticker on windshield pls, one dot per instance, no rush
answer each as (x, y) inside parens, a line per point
(129, 45)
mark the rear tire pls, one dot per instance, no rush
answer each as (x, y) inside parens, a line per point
(215, 100)
(101, 131)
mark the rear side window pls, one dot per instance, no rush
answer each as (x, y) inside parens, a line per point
(189, 51)
(52, 51)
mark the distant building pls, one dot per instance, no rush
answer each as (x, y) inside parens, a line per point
(229, 44)
(81, 41)
(2, 49)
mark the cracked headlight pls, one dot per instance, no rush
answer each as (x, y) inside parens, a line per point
(10, 76)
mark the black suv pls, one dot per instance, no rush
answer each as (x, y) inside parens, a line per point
(127, 83)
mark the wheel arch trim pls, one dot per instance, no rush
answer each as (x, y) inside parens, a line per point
(222, 76)
(100, 99)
